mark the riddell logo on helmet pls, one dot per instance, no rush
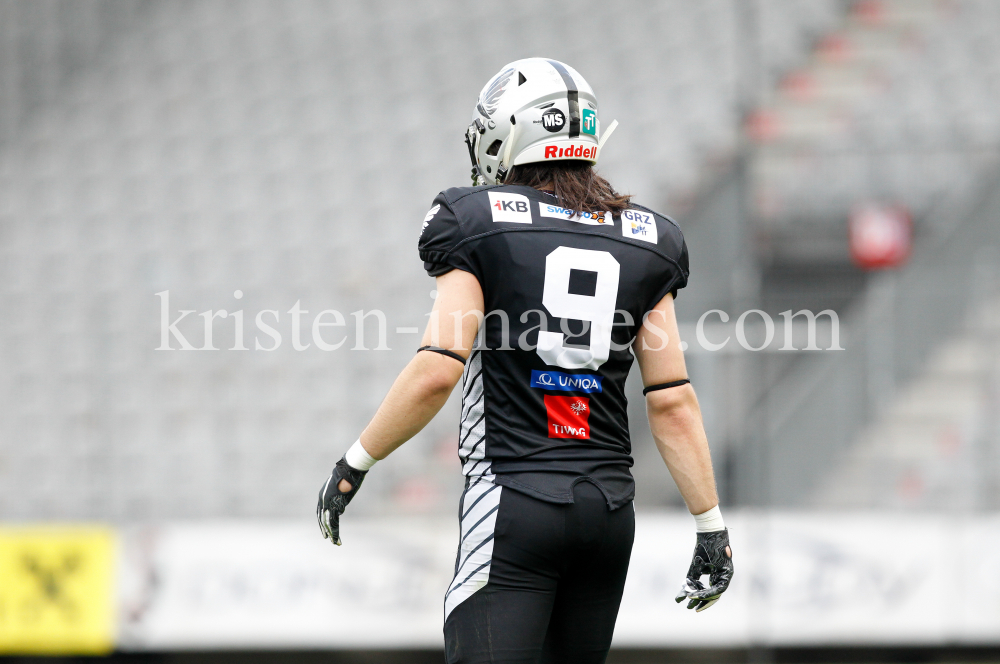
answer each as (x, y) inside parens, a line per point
(573, 151)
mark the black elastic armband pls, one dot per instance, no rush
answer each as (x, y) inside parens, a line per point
(663, 386)
(442, 351)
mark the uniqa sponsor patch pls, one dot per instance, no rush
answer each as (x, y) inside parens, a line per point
(589, 218)
(639, 225)
(557, 380)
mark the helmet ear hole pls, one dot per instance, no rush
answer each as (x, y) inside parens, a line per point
(494, 148)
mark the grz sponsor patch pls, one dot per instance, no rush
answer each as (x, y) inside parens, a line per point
(556, 380)
(589, 218)
(511, 208)
(568, 416)
(639, 225)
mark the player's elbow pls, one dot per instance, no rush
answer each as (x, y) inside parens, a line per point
(439, 379)
(672, 403)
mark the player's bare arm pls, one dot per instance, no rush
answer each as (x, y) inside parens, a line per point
(416, 396)
(674, 415)
(424, 385)
(676, 424)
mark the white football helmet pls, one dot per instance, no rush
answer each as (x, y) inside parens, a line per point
(534, 110)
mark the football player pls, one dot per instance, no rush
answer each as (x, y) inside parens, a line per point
(549, 284)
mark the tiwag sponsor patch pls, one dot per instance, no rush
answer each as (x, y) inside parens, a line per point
(568, 416)
(511, 208)
(556, 380)
(589, 218)
(639, 225)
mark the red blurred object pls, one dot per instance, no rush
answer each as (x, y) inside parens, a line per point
(834, 48)
(880, 236)
(870, 11)
(800, 85)
(762, 126)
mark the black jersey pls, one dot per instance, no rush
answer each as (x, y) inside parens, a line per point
(543, 402)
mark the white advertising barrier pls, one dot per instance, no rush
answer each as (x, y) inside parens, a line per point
(281, 585)
(801, 579)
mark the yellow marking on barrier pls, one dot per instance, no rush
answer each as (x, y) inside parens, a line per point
(57, 589)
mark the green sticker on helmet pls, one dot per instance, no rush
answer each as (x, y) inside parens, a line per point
(589, 122)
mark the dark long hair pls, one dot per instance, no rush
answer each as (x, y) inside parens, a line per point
(575, 184)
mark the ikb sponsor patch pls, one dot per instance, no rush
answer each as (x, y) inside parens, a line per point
(564, 382)
(512, 208)
(568, 416)
(589, 218)
(639, 225)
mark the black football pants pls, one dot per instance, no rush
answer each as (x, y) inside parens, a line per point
(555, 583)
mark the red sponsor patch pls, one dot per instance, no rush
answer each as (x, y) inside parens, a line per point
(568, 416)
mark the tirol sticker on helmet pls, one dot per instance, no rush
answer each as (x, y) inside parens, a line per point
(589, 124)
(490, 98)
(553, 120)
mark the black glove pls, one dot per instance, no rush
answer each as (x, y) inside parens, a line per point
(332, 501)
(712, 556)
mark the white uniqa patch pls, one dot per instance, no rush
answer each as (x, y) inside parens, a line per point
(511, 208)
(639, 225)
(589, 218)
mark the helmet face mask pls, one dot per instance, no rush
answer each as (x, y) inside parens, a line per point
(533, 110)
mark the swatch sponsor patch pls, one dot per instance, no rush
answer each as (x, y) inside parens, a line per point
(589, 218)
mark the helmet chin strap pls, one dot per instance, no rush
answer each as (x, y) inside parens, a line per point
(504, 166)
(607, 134)
(477, 175)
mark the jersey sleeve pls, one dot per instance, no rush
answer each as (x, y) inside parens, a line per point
(439, 238)
(675, 268)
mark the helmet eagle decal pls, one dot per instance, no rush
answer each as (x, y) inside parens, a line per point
(490, 96)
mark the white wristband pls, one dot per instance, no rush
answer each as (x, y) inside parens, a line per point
(710, 521)
(358, 458)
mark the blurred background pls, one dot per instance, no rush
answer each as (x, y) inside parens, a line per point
(209, 155)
